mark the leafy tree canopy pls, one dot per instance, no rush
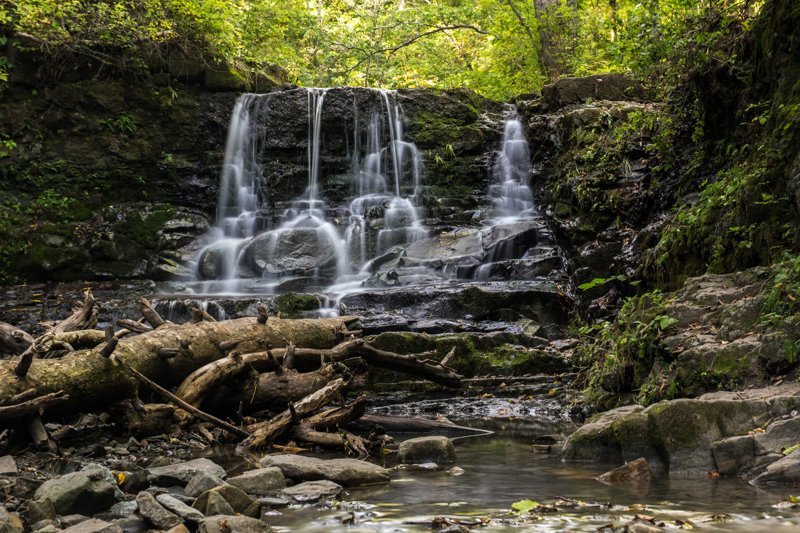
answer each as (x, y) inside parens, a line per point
(497, 47)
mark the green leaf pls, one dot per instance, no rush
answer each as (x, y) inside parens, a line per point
(665, 321)
(525, 506)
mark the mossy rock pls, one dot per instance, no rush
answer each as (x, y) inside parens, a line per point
(223, 77)
(476, 354)
(295, 305)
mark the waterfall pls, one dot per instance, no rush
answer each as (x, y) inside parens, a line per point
(237, 206)
(312, 244)
(511, 195)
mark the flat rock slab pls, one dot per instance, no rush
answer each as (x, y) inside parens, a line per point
(260, 481)
(313, 491)
(94, 525)
(346, 472)
(182, 473)
(228, 523)
(427, 449)
(181, 509)
(785, 471)
(200, 483)
(8, 467)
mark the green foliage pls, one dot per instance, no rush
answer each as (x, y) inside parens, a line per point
(658, 40)
(783, 297)
(500, 48)
(596, 282)
(617, 356)
(741, 218)
(122, 124)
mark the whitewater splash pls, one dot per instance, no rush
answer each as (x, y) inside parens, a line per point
(510, 192)
(312, 245)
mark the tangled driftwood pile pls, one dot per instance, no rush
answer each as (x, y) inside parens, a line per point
(291, 374)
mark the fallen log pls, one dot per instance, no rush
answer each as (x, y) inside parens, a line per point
(311, 358)
(34, 406)
(253, 391)
(81, 338)
(410, 424)
(91, 380)
(13, 341)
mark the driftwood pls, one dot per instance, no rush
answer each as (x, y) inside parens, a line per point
(34, 406)
(230, 428)
(150, 314)
(312, 429)
(264, 433)
(310, 359)
(220, 370)
(91, 380)
(199, 314)
(83, 317)
(13, 340)
(81, 338)
(134, 326)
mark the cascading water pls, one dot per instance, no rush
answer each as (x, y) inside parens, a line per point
(511, 195)
(237, 207)
(312, 245)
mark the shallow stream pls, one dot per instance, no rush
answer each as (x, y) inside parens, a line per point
(500, 470)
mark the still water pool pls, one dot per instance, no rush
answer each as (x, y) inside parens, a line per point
(499, 470)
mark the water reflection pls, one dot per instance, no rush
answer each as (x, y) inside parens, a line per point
(502, 470)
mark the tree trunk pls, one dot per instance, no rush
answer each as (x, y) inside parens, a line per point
(92, 381)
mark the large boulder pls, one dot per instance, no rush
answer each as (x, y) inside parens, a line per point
(347, 472)
(566, 91)
(691, 437)
(427, 449)
(292, 251)
(84, 492)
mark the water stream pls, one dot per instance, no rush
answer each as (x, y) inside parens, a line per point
(502, 469)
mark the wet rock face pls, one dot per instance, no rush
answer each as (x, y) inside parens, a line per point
(106, 148)
(295, 251)
(690, 438)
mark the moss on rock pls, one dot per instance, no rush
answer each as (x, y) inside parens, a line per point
(295, 305)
